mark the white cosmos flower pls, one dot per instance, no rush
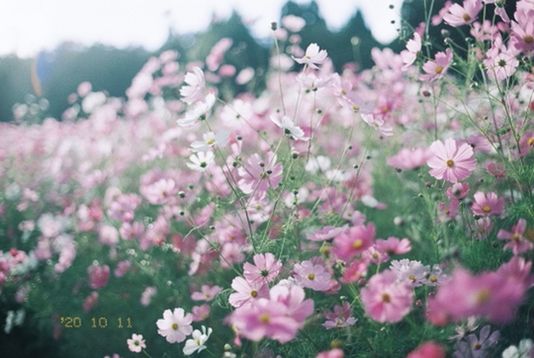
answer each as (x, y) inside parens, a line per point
(197, 342)
(197, 112)
(208, 141)
(290, 128)
(201, 161)
(524, 350)
(314, 56)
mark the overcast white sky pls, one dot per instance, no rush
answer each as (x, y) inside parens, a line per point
(28, 26)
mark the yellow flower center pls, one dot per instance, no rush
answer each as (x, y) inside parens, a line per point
(482, 296)
(174, 326)
(439, 69)
(357, 244)
(264, 318)
(528, 39)
(450, 163)
(467, 18)
(433, 278)
(311, 276)
(254, 293)
(486, 208)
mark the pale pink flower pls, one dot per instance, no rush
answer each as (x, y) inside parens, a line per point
(314, 56)
(486, 204)
(147, 295)
(258, 175)
(340, 317)
(265, 269)
(385, 299)
(450, 162)
(195, 88)
(517, 242)
(413, 47)
(459, 15)
(411, 272)
(293, 23)
(136, 344)
(200, 161)
(407, 159)
(522, 35)
(175, 325)
(526, 144)
(246, 291)
(333, 353)
(200, 313)
(288, 126)
(310, 275)
(207, 293)
(436, 69)
(394, 246)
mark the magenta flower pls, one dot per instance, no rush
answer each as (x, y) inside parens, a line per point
(450, 162)
(310, 275)
(495, 295)
(394, 246)
(258, 175)
(436, 69)
(98, 276)
(175, 325)
(428, 350)
(265, 269)
(486, 204)
(340, 317)
(353, 241)
(385, 299)
(517, 242)
(247, 292)
(526, 143)
(463, 15)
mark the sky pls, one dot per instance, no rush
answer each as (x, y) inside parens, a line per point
(29, 26)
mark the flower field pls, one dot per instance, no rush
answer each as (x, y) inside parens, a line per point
(385, 212)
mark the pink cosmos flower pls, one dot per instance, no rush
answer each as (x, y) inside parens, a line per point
(413, 46)
(333, 353)
(486, 204)
(200, 313)
(340, 317)
(207, 293)
(458, 191)
(526, 144)
(265, 269)
(428, 350)
(385, 299)
(258, 175)
(310, 275)
(462, 15)
(136, 344)
(522, 35)
(500, 62)
(354, 241)
(394, 246)
(355, 271)
(436, 69)
(278, 317)
(491, 294)
(175, 325)
(98, 276)
(407, 159)
(517, 242)
(314, 56)
(450, 162)
(246, 291)
(147, 295)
